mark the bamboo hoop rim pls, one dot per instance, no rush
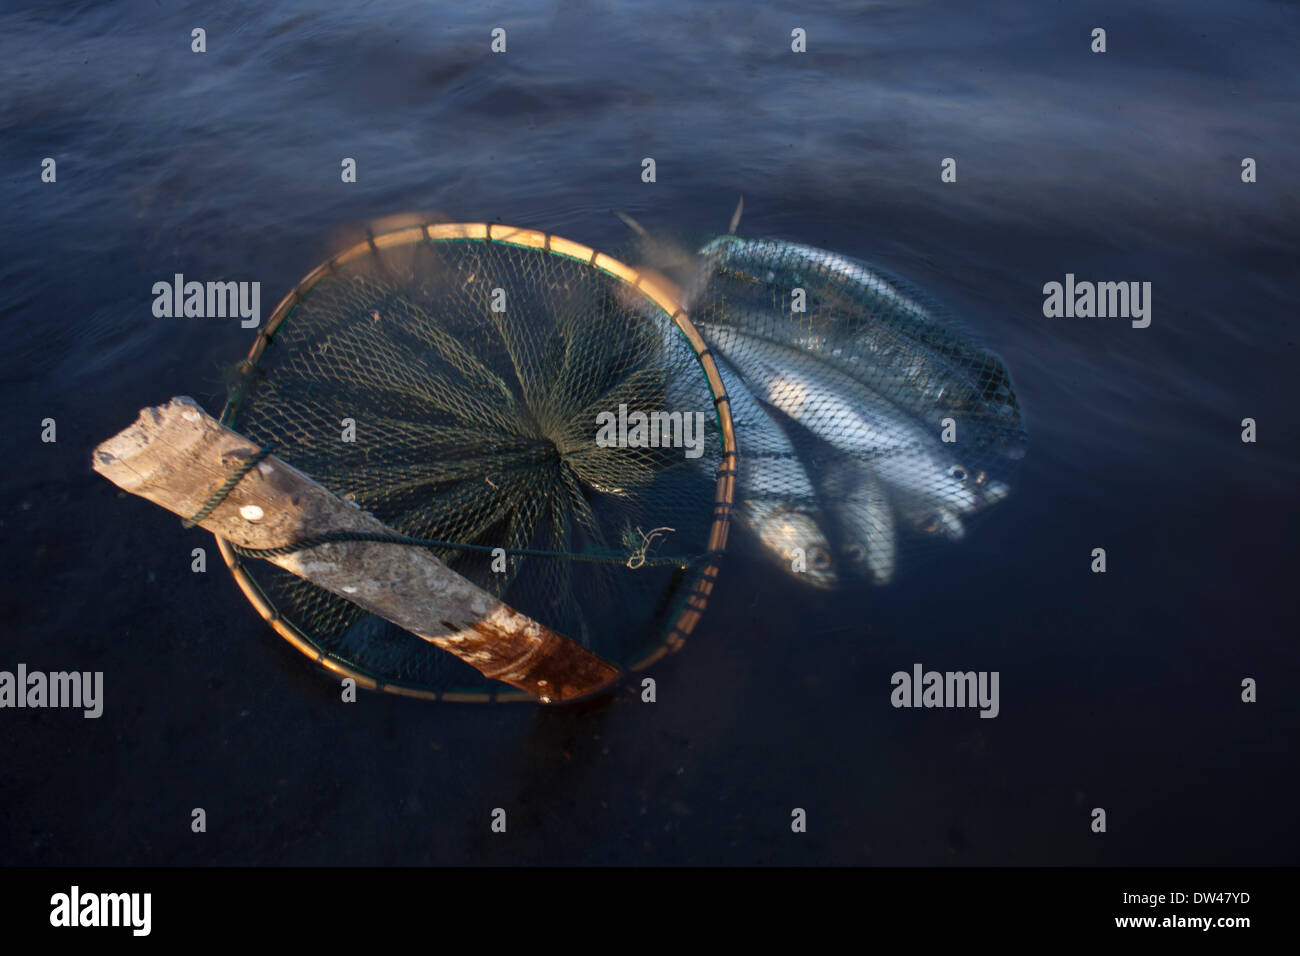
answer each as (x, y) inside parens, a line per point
(660, 291)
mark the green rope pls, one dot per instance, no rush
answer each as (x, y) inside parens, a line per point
(220, 494)
(637, 559)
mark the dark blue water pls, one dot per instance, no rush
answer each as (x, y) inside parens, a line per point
(1119, 691)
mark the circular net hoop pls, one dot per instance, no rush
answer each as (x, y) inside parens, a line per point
(545, 412)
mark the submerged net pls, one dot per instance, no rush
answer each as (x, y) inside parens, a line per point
(483, 389)
(868, 427)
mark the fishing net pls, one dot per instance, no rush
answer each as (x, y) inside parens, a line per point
(868, 426)
(538, 414)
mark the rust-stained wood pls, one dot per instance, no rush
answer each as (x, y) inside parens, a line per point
(177, 456)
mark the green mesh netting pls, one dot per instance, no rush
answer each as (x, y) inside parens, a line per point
(479, 427)
(867, 426)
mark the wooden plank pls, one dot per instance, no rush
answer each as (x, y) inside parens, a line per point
(177, 455)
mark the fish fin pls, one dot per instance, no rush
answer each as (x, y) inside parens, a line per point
(735, 216)
(630, 222)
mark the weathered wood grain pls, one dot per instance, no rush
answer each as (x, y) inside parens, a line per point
(177, 456)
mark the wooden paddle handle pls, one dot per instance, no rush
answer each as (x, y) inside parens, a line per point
(177, 456)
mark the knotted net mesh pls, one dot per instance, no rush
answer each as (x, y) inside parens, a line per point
(546, 422)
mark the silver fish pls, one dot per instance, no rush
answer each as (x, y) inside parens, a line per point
(787, 532)
(774, 259)
(843, 413)
(880, 359)
(863, 322)
(775, 496)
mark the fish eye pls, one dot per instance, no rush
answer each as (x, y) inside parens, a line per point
(820, 559)
(960, 473)
(855, 552)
